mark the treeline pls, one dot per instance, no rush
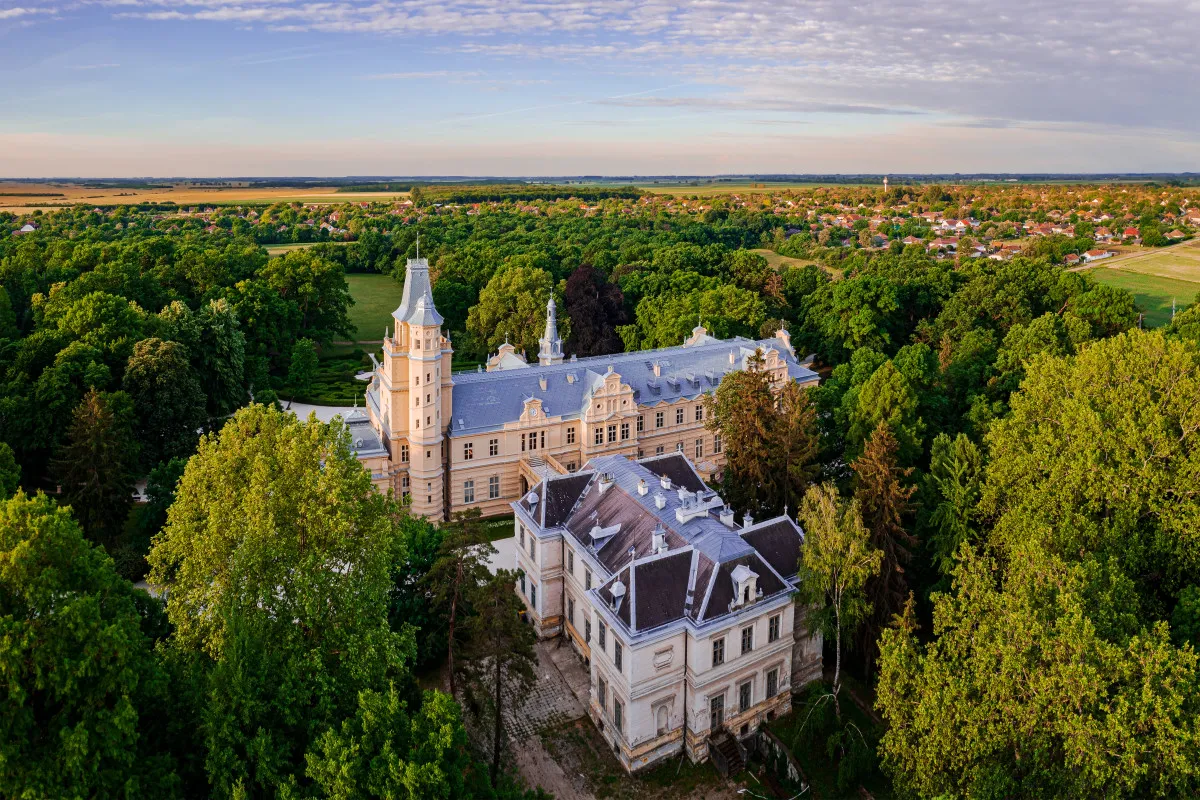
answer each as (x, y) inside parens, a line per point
(281, 663)
(525, 192)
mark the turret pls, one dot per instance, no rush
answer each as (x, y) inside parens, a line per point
(550, 350)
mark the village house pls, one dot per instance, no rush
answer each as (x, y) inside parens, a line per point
(481, 439)
(1096, 255)
(685, 618)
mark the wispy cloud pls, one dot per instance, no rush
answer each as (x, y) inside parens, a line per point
(20, 11)
(94, 66)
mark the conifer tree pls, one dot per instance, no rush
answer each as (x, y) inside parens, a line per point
(500, 657)
(884, 501)
(96, 465)
(742, 412)
(460, 568)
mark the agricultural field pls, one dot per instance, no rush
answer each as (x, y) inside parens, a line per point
(1157, 278)
(375, 298)
(21, 198)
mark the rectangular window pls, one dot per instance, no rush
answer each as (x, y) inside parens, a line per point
(533, 441)
(717, 446)
(468, 491)
(571, 611)
(747, 640)
(658, 451)
(773, 683)
(624, 431)
(617, 655)
(404, 483)
(521, 578)
(716, 712)
(587, 630)
(600, 631)
(699, 448)
(602, 693)
(494, 487)
(587, 580)
(773, 628)
(533, 595)
(612, 433)
(617, 714)
(493, 447)
(571, 435)
(532, 547)
(468, 451)
(641, 423)
(699, 413)
(744, 696)
(522, 443)
(542, 437)
(598, 439)
(658, 419)
(718, 652)
(521, 535)
(571, 561)
(679, 416)
(404, 453)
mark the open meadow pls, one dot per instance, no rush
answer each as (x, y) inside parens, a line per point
(375, 298)
(1157, 278)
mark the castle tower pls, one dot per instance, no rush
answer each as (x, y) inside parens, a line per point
(409, 401)
(550, 350)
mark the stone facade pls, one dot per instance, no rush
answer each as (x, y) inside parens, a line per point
(685, 617)
(481, 439)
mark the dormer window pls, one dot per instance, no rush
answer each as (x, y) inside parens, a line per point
(745, 585)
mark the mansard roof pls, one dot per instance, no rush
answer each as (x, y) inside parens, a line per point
(487, 400)
(692, 577)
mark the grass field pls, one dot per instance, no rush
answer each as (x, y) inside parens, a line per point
(280, 249)
(711, 189)
(778, 262)
(375, 298)
(1152, 293)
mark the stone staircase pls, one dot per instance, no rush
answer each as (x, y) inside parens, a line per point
(726, 753)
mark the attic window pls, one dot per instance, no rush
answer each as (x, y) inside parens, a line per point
(745, 586)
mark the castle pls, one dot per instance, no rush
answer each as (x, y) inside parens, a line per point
(482, 439)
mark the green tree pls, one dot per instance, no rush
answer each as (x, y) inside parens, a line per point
(410, 602)
(96, 466)
(461, 566)
(836, 562)
(167, 400)
(500, 658)
(953, 488)
(1100, 455)
(278, 554)
(1038, 684)
(740, 411)
(10, 472)
(303, 368)
(77, 716)
(512, 307)
(885, 503)
(887, 398)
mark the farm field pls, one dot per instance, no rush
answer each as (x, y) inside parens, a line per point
(711, 189)
(23, 197)
(1152, 292)
(375, 298)
(1181, 262)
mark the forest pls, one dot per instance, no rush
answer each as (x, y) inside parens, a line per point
(1014, 461)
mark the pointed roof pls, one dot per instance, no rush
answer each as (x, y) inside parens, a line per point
(424, 313)
(416, 286)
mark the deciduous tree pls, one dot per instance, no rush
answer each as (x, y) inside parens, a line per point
(461, 566)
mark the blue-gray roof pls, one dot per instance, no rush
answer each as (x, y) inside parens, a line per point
(485, 401)
(416, 286)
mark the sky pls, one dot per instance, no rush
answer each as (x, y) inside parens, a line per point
(122, 88)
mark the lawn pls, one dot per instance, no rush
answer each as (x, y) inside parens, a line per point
(335, 384)
(375, 298)
(778, 262)
(1181, 263)
(280, 249)
(1153, 293)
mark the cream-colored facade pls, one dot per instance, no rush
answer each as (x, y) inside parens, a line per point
(685, 617)
(480, 439)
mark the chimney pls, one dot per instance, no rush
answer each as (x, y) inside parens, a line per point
(660, 539)
(606, 481)
(660, 501)
(727, 517)
(657, 369)
(542, 382)
(747, 520)
(665, 482)
(642, 487)
(732, 360)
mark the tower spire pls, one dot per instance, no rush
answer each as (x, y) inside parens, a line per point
(550, 345)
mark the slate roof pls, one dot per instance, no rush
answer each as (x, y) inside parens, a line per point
(603, 511)
(485, 401)
(416, 286)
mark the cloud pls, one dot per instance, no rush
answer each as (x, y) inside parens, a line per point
(419, 75)
(19, 11)
(94, 66)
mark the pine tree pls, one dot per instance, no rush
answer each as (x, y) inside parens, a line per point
(460, 568)
(96, 466)
(500, 658)
(797, 443)
(742, 413)
(884, 501)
